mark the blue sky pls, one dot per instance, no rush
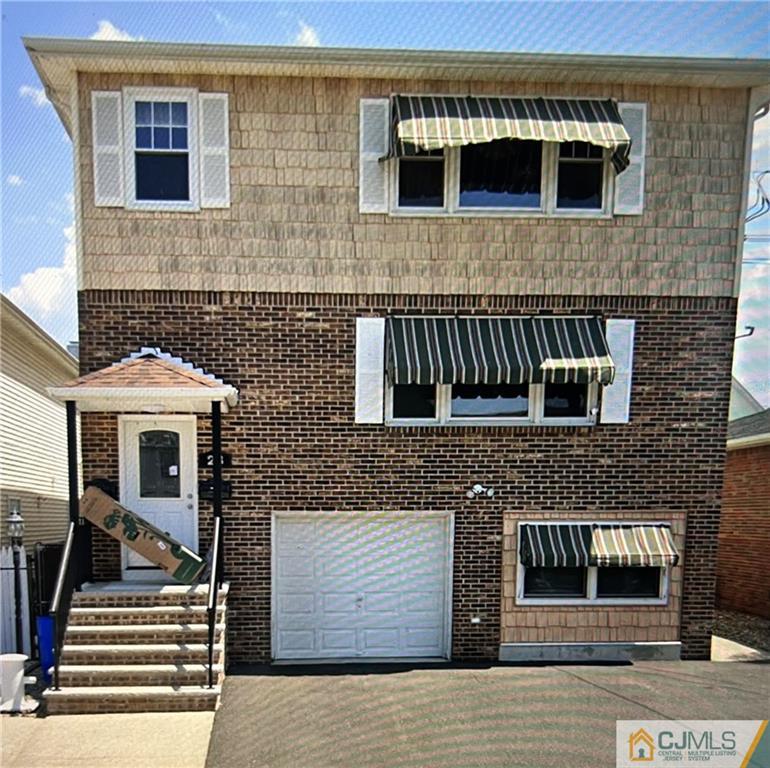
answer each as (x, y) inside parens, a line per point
(35, 154)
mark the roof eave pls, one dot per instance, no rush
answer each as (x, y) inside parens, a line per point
(57, 60)
(752, 441)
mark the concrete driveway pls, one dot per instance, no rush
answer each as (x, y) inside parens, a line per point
(533, 717)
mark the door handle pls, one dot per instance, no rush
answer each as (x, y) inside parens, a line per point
(189, 506)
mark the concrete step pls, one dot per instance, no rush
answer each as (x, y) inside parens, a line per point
(116, 634)
(101, 675)
(131, 698)
(156, 614)
(121, 594)
(140, 653)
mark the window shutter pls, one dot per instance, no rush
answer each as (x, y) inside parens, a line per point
(616, 397)
(373, 173)
(370, 369)
(629, 185)
(214, 150)
(107, 133)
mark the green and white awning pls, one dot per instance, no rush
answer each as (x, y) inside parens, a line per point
(496, 350)
(423, 123)
(581, 545)
(555, 546)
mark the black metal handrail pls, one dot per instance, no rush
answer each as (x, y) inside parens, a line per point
(215, 582)
(66, 582)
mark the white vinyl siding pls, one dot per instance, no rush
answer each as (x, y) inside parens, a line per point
(33, 435)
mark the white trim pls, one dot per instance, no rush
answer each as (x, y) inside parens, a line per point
(156, 574)
(753, 441)
(534, 419)
(190, 96)
(159, 399)
(398, 515)
(591, 572)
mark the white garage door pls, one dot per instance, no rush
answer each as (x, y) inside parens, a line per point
(365, 588)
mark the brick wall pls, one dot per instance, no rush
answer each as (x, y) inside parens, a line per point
(589, 624)
(743, 575)
(294, 224)
(296, 447)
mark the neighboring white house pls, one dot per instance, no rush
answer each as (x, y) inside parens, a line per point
(33, 427)
(33, 442)
(742, 402)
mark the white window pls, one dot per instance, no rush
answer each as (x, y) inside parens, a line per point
(503, 177)
(591, 585)
(161, 149)
(491, 404)
(161, 145)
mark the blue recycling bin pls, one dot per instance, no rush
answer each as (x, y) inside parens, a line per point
(45, 644)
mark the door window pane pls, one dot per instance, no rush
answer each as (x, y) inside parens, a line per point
(566, 401)
(414, 401)
(490, 400)
(159, 464)
(628, 582)
(501, 174)
(554, 582)
(421, 180)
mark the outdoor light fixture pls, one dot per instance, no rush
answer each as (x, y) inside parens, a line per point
(15, 521)
(479, 490)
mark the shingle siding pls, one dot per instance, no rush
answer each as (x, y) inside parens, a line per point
(295, 445)
(294, 223)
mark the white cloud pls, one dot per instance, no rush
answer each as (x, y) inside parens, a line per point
(14, 180)
(48, 294)
(35, 95)
(307, 36)
(228, 23)
(751, 363)
(106, 30)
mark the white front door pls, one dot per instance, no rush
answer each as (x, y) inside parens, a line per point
(361, 587)
(158, 481)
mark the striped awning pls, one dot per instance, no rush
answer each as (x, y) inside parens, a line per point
(555, 546)
(496, 350)
(434, 122)
(584, 544)
(619, 545)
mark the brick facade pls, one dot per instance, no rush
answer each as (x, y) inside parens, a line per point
(296, 447)
(743, 576)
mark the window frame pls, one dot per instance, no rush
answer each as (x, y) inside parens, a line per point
(444, 416)
(607, 177)
(190, 96)
(591, 573)
(548, 191)
(417, 209)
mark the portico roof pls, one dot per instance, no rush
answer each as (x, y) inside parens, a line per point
(148, 380)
